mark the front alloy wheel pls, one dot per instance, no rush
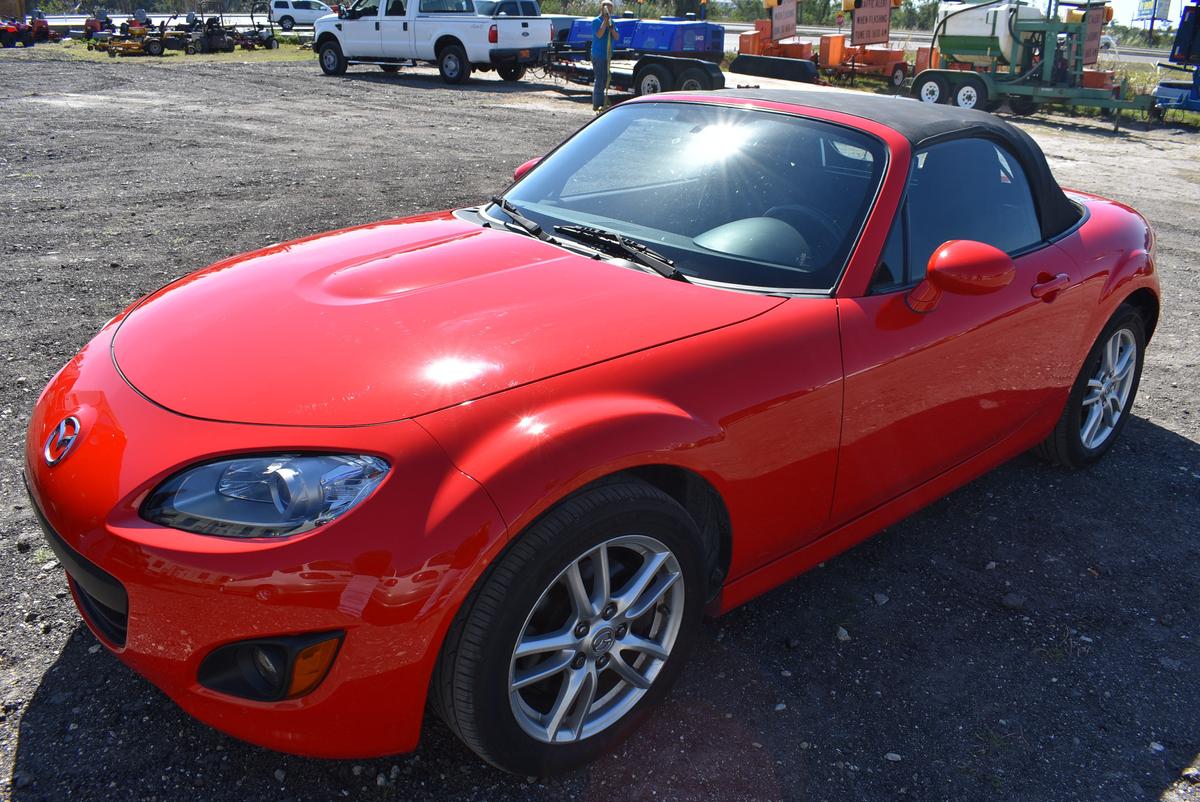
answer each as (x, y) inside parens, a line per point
(596, 640)
(576, 630)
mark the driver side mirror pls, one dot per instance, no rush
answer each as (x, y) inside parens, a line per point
(963, 267)
(520, 172)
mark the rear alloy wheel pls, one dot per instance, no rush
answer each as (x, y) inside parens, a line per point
(971, 95)
(575, 632)
(331, 58)
(651, 80)
(1102, 395)
(287, 23)
(511, 72)
(931, 89)
(453, 64)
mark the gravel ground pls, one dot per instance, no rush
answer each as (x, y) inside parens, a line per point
(1031, 637)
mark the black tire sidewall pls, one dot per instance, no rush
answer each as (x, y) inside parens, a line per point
(287, 23)
(464, 69)
(509, 747)
(1127, 318)
(664, 79)
(940, 82)
(341, 62)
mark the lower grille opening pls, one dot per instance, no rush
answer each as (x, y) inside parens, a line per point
(111, 623)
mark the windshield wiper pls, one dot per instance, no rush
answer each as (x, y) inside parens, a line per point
(632, 249)
(526, 225)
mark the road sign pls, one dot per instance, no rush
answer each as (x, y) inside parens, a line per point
(1093, 21)
(1153, 9)
(872, 22)
(783, 20)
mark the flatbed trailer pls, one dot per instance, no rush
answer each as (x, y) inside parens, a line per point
(644, 74)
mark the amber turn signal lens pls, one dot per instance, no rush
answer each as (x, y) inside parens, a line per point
(311, 666)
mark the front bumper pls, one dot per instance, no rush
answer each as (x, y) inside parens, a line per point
(390, 573)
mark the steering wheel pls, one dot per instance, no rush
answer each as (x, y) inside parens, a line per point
(804, 219)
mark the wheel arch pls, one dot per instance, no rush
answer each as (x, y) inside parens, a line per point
(327, 36)
(1146, 302)
(444, 41)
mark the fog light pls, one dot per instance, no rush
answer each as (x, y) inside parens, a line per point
(271, 669)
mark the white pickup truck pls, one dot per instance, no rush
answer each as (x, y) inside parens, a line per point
(391, 33)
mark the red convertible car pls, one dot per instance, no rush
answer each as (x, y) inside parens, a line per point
(705, 344)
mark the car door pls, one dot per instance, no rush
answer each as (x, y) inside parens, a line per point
(361, 37)
(279, 8)
(924, 392)
(397, 35)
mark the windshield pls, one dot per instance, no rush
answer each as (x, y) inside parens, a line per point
(740, 197)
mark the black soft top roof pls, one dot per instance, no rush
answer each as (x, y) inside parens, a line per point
(925, 123)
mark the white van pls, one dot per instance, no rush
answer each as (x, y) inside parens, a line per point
(287, 14)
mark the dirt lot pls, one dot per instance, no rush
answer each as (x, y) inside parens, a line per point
(1032, 637)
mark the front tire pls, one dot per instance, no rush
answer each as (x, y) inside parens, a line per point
(453, 64)
(1098, 406)
(575, 632)
(331, 58)
(651, 80)
(931, 89)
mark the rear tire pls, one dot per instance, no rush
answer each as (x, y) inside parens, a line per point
(899, 73)
(1098, 406)
(511, 73)
(453, 64)
(524, 594)
(971, 94)
(651, 80)
(153, 47)
(330, 56)
(286, 23)
(693, 79)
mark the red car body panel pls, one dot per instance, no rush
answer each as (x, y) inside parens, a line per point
(818, 420)
(398, 319)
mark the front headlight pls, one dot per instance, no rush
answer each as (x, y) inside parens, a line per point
(264, 496)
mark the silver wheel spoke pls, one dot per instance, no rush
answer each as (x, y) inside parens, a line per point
(568, 692)
(636, 586)
(583, 706)
(542, 671)
(1125, 364)
(600, 581)
(647, 647)
(539, 644)
(1095, 415)
(650, 598)
(580, 599)
(627, 672)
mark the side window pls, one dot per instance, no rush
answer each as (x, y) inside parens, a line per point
(968, 189)
(281, 4)
(446, 7)
(529, 9)
(395, 8)
(507, 9)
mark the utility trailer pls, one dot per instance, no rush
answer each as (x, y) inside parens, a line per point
(649, 56)
(1004, 50)
(646, 75)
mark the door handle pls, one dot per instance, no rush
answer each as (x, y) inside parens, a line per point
(1048, 285)
(406, 26)
(377, 26)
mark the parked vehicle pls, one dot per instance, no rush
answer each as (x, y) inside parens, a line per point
(287, 14)
(704, 345)
(445, 32)
(15, 32)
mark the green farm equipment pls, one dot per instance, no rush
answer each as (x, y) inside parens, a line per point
(998, 51)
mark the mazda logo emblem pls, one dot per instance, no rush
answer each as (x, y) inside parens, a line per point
(603, 641)
(61, 440)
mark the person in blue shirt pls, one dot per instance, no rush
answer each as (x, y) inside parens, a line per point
(604, 36)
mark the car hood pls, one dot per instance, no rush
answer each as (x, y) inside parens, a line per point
(396, 319)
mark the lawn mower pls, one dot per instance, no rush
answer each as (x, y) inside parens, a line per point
(214, 36)
(41, 27)
(15, 32)
(258, 35)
